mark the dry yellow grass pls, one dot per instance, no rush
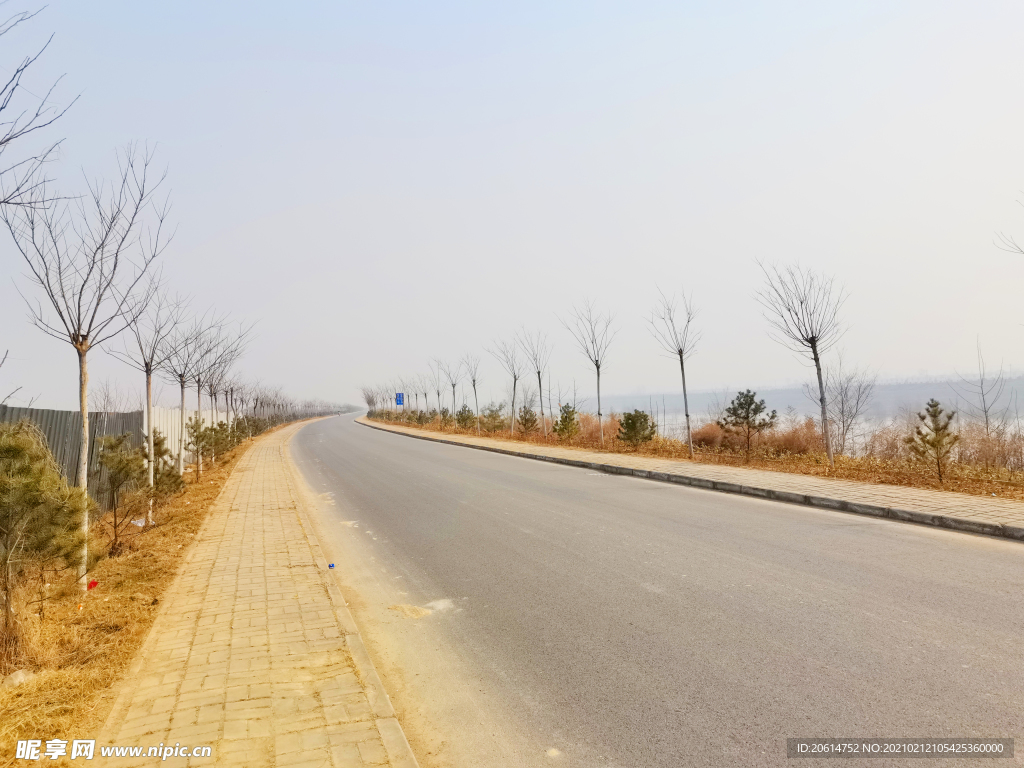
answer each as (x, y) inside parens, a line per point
(79, 654)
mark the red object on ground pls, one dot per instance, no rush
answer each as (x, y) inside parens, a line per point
(92, 584)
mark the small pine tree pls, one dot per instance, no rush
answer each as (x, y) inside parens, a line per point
(492, 417)
(933, 441)
(166, 480)
(197, 438)
(125, 475)
(40, 515)
(445, 418)
(527, 421)
(465, 417)
(568, 424)
(745, 417)
(636, 428)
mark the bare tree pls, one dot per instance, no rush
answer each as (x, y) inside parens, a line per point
(984, 395)
(538, 353)
(507, 354)
(471, 364)
(564, 394)
(234, 389)
(406, 389)
(436, 381)
(223, 350)
(108, 397)
(802, 307)
(423, 384)
(22, 182)
(231, 347)
(148, 352)
(216, 382)
(81, 258)
(186, 350)
(849, 394)
(453, 375)
(204, 367)
(673, 330)
(593, 334)
(551, 409)
(369, 397)
(414, 388)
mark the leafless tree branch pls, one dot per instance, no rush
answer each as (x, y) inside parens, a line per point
(593, 334)
(673, 329)
(802, 308)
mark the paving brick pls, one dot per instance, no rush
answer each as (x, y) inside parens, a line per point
(248, 656)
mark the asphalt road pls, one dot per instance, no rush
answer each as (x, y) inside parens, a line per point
(530, 614)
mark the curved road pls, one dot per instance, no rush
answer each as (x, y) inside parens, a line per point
(523, 613)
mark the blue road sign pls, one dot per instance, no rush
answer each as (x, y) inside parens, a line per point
(400, 398)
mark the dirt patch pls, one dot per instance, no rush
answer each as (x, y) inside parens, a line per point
(410, 611)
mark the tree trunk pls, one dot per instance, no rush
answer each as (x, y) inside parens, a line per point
(199, 430)
(512, 429)
(150, 450)
(540, 397)
(181, 434)
(453, 400)
(600, 420)
(476, 402)
(686, 404)
(551, 410)
(213, 424)
(82, 474)
(824, 409)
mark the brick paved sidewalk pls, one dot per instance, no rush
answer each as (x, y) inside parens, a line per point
(254, 652)
(959, 511)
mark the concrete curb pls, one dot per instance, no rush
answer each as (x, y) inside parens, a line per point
(821, 502)
(400, 754)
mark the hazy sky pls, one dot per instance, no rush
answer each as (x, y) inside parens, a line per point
(382, 183)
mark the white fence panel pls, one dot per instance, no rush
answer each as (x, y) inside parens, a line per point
(168, 422)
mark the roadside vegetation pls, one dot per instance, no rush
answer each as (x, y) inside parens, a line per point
(970, 461)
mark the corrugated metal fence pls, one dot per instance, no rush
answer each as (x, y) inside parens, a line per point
(63, 432)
